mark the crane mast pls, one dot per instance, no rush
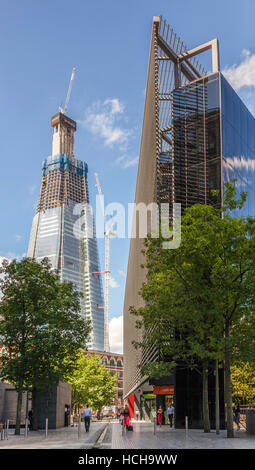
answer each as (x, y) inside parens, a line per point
(63, 111)
(108, 234)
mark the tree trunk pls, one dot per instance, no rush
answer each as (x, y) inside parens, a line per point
(225, 397)
(35, 410)
(206, 416)
(228, 387)
(217, 398)
(19, 406)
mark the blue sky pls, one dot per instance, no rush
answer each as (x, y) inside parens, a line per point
(108, 42)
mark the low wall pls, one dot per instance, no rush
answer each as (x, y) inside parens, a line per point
(8, 404)
(52, 405)
(250, 421)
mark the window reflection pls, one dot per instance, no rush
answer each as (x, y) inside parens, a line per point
(238, 145)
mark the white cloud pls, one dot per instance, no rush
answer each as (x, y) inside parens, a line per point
(18, 238)
(113, 284)
(244, 167)
(116, 334)
(240, 163)
(31, 189)
(102, 120)
(243, 74)
(116, 105)
(125, 161)
(11, 255)
(121, 273)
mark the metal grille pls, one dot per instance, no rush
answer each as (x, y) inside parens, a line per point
(171, 67)
(196, 146)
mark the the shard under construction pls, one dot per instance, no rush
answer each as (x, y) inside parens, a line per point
(196, 134)
(63, 231)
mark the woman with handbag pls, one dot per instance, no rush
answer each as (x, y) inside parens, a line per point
(160, 415)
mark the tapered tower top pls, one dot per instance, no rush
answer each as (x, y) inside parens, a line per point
(63, 137)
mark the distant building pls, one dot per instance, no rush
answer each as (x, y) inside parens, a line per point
(63, 229)
(114, 363)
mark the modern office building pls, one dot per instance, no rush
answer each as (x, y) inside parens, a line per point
(197, 134)
(63, 228)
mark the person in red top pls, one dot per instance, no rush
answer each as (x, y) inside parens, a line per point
(125, 415)
(160, 415)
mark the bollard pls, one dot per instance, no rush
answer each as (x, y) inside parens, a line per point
(154, 425)
(26, 427)
(79, 427)
(46, 428)
(186, 424)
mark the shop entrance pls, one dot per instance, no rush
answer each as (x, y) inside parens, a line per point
(148, 406)
(164, 397)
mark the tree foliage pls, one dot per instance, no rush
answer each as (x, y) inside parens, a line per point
(243, 383)
(199, 298)
(41, 327)
(92, 383)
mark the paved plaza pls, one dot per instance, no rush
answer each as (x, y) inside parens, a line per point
(142, 437)
(63, 438)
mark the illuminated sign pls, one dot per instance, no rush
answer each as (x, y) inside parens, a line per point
(163, 389)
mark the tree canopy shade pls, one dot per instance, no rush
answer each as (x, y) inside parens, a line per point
(199, 298)
(41, 328)
(92, 383)
(243, 383)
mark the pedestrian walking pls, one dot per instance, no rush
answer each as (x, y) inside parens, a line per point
(30, 419)
(160, 415)
(170, 414)
(237, 414)
(125, 414)
(87, 415)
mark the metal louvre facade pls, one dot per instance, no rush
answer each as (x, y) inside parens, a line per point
(169, 68)
(196, 142)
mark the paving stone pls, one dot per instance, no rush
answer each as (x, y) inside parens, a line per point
(142, 437)
(63, 438)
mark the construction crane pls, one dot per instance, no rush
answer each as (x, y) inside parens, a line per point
(63, 111)
(108, 233)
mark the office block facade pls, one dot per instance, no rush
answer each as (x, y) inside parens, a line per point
(196, 135)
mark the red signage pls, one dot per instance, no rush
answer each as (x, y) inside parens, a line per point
(163, 389)
(131, 405)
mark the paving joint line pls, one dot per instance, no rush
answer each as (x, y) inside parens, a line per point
(101, 437)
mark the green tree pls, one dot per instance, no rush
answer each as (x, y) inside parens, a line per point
(243, 383)
(41, 328)
(91, 383)
(199, 298)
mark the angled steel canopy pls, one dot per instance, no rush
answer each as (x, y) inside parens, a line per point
(175, 66)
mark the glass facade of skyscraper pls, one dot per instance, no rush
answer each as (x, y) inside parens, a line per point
(63, 231)
(238, 144)
(214, 142)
